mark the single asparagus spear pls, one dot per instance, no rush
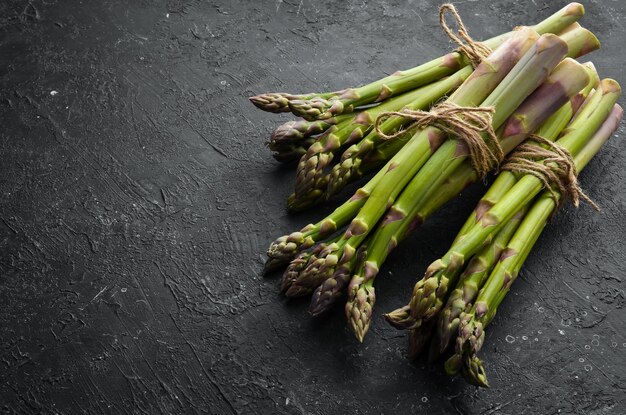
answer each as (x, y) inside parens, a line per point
(312, 165)
(416, 152)
(430, 292)
(471, 330)
(401, 81)
(279, 101)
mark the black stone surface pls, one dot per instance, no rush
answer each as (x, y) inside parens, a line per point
(138, 199)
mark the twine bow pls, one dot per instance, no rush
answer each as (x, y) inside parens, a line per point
(467, 124)
(475, 51)
(553, 165)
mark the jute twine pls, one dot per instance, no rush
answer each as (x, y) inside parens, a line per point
(475, 51)
(468, 124)
(552, 165)
(465, 123)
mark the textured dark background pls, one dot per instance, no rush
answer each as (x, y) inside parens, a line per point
(138, 200)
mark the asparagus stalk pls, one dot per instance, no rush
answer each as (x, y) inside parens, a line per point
(279, 101)
(416, 152)
(320, 154)
(471, 330)
(430, 292)
(401, 81)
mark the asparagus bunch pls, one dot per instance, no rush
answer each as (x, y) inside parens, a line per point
(486, 238)
(529, 84)
(431, 291)
(471, 331)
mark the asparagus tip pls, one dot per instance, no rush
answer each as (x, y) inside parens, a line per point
(271, 102)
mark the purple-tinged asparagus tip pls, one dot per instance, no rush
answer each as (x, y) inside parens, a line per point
(272, 102)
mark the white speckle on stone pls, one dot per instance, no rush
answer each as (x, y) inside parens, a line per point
(286, 401)
(561, 332)
(167, 15)
(53, 93)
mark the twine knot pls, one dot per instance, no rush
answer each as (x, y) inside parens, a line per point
(475, 51)
(471, 125)
(553, 165)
